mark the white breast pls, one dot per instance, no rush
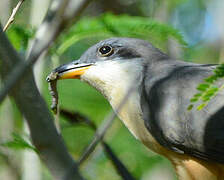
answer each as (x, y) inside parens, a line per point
(113, 79)
(131, 116)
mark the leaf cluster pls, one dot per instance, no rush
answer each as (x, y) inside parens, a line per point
(18, 143)
(19, 36)
(207, 90)
(109, 25)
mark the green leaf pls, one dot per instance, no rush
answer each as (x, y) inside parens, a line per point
(190, 107)
(194, 99)
(20, 35)
(208, 90)
(201, 106)
(205, 98)
(203, 87)
(198, 95)
(211, 79)
(213, 89)
(18, 143)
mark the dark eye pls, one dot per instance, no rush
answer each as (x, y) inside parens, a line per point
(105, 50)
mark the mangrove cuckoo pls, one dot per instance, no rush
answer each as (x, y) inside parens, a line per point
(156, 110)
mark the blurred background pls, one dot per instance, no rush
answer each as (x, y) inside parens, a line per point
(191, 30)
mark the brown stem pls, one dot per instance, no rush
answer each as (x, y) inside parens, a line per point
(12, 17)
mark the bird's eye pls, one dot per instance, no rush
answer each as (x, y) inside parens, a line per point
(105, 50)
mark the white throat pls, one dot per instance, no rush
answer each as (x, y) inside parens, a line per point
(113, 78)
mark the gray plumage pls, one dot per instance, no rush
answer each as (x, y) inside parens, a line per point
(164, 103)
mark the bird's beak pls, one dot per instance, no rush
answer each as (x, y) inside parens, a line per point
(71, 70)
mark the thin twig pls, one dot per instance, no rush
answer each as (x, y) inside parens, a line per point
(107, 122)
(12, 17)
(119, 166)
(77, 118)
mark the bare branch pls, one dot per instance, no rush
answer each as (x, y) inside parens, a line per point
(76, 118)
(12, 17)
(107, 122)
(55, 22)
(120, 167)
(43, 132)
(99, 134)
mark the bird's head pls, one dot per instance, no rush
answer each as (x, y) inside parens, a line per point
(113, 62)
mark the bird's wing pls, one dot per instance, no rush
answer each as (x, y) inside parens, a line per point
(164, 104)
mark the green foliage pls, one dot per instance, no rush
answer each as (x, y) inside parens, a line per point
(19, 36)
(109, 25)
(208, 89)
(18, 143)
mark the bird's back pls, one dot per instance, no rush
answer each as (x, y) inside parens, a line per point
(164, 103)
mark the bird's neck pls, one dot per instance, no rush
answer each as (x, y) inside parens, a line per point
(114, 81)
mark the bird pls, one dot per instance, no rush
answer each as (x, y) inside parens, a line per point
(156, 111)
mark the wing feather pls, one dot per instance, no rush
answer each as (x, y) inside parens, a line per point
(164, 103)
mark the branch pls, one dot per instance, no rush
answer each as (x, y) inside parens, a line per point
(43, 132)
(55, 22)
(99, 134)
(11, 18)
(120, 167)
(76, 118)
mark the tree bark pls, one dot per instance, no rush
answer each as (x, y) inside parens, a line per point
(43, 132)
(38, 11)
